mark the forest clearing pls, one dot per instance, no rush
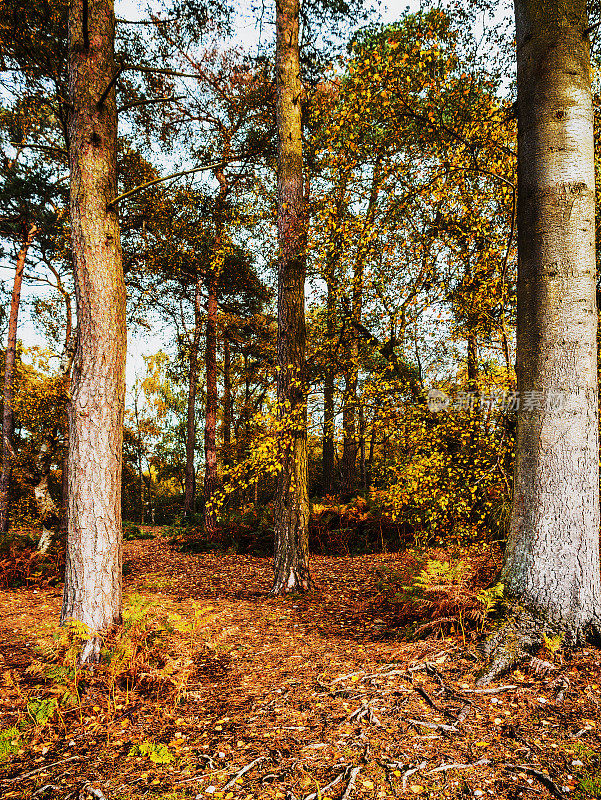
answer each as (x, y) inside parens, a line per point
(309, 690)
(313, 288)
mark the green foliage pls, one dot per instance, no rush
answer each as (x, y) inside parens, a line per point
(41, 711)
(553, 643)
(10, 742)
(132, 532)
(157, 753)
(590, 786)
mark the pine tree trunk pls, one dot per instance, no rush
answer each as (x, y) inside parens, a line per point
(190, 484)
(552, 557)
(9, 378)
(92, 592)
(291, 562)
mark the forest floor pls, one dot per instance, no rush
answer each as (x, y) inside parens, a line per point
(223, 691)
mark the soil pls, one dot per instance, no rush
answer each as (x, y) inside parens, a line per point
(303, 691)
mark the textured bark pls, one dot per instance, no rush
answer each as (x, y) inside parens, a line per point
(93, 589)
(9, 378)
(190, 482)
(328, 400)
(210, 478)
(291, 562)
(551, 564)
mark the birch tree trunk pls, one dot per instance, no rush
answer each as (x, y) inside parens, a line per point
(9, 377)
(291, 562)
(93, 593)
(551, 565)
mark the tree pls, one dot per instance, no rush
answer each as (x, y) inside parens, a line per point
(551, 569)
(93, 593)
(28, 233)
(291, 564)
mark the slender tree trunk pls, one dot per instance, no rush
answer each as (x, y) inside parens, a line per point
(227, 401)
(93, 582)
(190, 484)
(351, 375)
(552, 557)
(291, 562)
(9, 377)
(328, 399)
(140, 468)
(50, 516)
(362, 446)
(335, 248)
(210, 479)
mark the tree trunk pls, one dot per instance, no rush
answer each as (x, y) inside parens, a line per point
(9, 378)
(551, 567)
(190, 484)
(351, 375)
(210, 479)
(227, 402)
(328, 400)
(291, 562)
(93, 582)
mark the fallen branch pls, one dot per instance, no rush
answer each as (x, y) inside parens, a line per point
(412, 771)
(445, 767)
(539, 776)
(434, 725)
(490, 691)
(243, 771)
(40, 769)
(350, 785)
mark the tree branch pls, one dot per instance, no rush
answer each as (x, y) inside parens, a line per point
(166, 178)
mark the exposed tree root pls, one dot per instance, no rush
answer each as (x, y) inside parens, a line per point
(522, 633)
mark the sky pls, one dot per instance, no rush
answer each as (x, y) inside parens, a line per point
(247, 34)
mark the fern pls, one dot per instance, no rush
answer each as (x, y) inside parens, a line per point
(157, 753)
(41, 711)
(10, 742)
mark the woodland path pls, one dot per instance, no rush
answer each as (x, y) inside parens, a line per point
(317, 687)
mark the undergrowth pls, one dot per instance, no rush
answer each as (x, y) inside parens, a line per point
(445, 592)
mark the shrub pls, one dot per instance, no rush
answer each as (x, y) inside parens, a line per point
(132, 532)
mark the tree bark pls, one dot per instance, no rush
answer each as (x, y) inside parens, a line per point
(93, 581)
(328, 399)
(210, 478)
(551, 568)
(9, 377)
(190, 482)
(291, 562)
(227, 401)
